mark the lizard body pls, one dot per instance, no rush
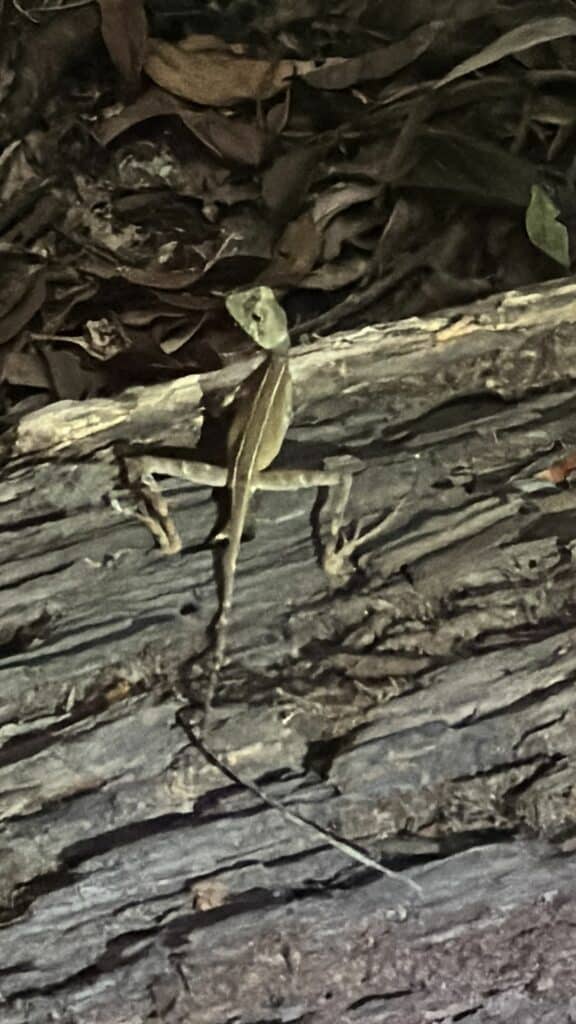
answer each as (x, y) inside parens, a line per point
(256, 436)
(259, 425)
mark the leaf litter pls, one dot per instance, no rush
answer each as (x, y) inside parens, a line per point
(369, 161)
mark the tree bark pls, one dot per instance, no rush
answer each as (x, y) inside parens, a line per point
(421, 708)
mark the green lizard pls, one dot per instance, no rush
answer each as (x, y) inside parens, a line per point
(256, 435)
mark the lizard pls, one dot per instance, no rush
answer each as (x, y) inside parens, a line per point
(256, 435)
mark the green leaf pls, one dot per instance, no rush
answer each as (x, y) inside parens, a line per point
(543, 228)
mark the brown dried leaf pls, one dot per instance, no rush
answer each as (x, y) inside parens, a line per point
(209, 895)
(43, 56)
(69, 378)
(175, 338)
(125, 33)
(214, 77)
(541, 30)
(278, 114)
(238, 141)
(149, 277)
(153, 102)
(24, 309)
(349, 226)
(558, 472)
(295, 253)
(54, 317)
(337, 198)
(332, 276)
(48, 369)
(381, 63)
(285, 184)
(26, 369)
(15, 276)
(104, 338)
(471, 166)
(38, 216)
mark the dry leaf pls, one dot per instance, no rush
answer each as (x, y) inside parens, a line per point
(238, 141)
(349, 226)
(214, 77)
(277, 116)
(48, 369)
(332, 276)
(16, 276)
(285, 184)
(559, 471)
(125, 33)
(23, 310)
(471, 166)
(542, 30)
(150, 277)
(153, 102)
(295, 253)
(208, 895)
(69, 378)
(384, 62)
(340, 197)
(26, 369)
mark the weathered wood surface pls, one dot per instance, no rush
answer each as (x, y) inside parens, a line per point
(425, 710)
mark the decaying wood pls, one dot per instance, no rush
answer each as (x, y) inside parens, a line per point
(424, 709)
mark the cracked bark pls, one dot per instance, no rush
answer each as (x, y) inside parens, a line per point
(424, 710)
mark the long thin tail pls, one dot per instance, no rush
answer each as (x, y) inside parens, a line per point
(233, 532)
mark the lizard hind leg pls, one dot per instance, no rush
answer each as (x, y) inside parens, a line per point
(217, 658)
(330, 506)
(225, 577)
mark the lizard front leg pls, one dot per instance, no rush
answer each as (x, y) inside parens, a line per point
(141, 471)
(335, 552)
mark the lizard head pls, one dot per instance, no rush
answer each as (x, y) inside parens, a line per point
(259, 314)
